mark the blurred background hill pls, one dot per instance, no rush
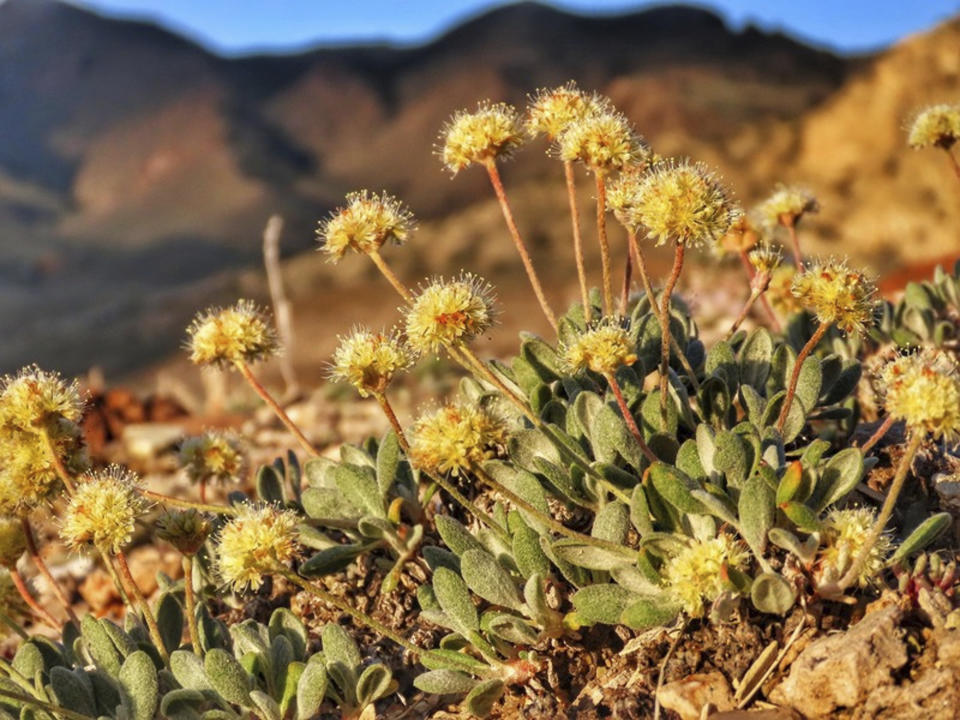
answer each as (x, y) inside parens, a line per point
(137, 169)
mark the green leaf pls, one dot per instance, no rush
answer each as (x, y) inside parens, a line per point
(722, 364)
(771, 593)
(265, 706)
(528, 554)
(453, 660)
(486, 577)
(285, 623)
(734, 457)
(790, 483)
(840, 476)
(582, 554)
(648, 612)
(481, 699)
(373, 684)
(809, 382)
(674, 487)
(437, 557)
(339, 647)
(602, 603)
(269, 485)
(359, 486)
(140, 685)
(640, 511)
(327, 504)
(227, 676)
(796, 418)
(757, 513)
(388, 461)
(187, 668)
(508, 627)
(541, 357)
(455, 536)
(70, 692)
(311, 689)
(612, 523)
(453, 596)
(525, 485)
(756, 356)
(170, 621)
(332, 559)
(444, 682)
(100, 646)
(182, 704)
(801, 515)
(923, 535)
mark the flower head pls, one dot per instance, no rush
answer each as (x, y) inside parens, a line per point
(13, 542)
(448, 313)
(223, 336)
(186, 530)
(253, 543)
(786, 206)
(765, 260)
(213, 456)
(604, 141)
(492, 130)
(552, 111)
(370, 360)
(698, 574)
(602, 348)
(684, 203)
(103, 511)
(923, 390)
(28, 476)
(456, 437)
(935, 126)
(845, 534)
(836, 294)
(364, 224)
(34, 399)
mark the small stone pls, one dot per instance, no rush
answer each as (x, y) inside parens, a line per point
(687, 696)
(147, 440)
(841, 670)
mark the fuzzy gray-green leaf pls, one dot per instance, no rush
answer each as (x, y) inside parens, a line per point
(227, 676)
(311, 689)
(453, 596)
(487, 578)
(444, 682)
(923, 535)
(141, 687)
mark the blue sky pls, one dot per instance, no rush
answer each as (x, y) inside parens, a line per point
(238, 26)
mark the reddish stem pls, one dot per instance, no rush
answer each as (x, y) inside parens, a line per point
(665, 336)
(275, 406)
(34, 553)
(31, 601)
(604, 244)
(795, 375)
(878, 434)
(628, 417)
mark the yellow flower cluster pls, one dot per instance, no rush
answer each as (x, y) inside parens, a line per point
(786, 206)
(923, 390)
(447, 313)
(253, 543)
(492, 130)
(103, 511)
(935, 126)
(212, 456)
(456, 437)
(697, 575)
(836, 294)
(224, 336)
(602, 348)
(780, 291)
(604, 141)
(844, 534)
(365, 224)
(765, 260)
(553, 111)
(370, 360)
(37, 407)
(683, 203)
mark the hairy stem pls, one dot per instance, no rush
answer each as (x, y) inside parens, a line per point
(878, 434)
(577, 239)
(628, 417)
(190, 605)
(145, 611)
(392, 418)
(916, 440)
(604, 244)
(188, 504)
(665, 336)
(21, 585)
(791, 226)
(275, 406)
(391, 276)
(57, 461)
(358, 615)
(34, 552)
(549, 521)
(754, 295)
(625, 289)
(497, 183)
(795, 375)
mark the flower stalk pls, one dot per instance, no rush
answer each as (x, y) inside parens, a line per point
(278, 410)
(577, 239)
(795, 375)
(665, 336)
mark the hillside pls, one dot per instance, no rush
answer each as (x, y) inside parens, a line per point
(137, 169)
